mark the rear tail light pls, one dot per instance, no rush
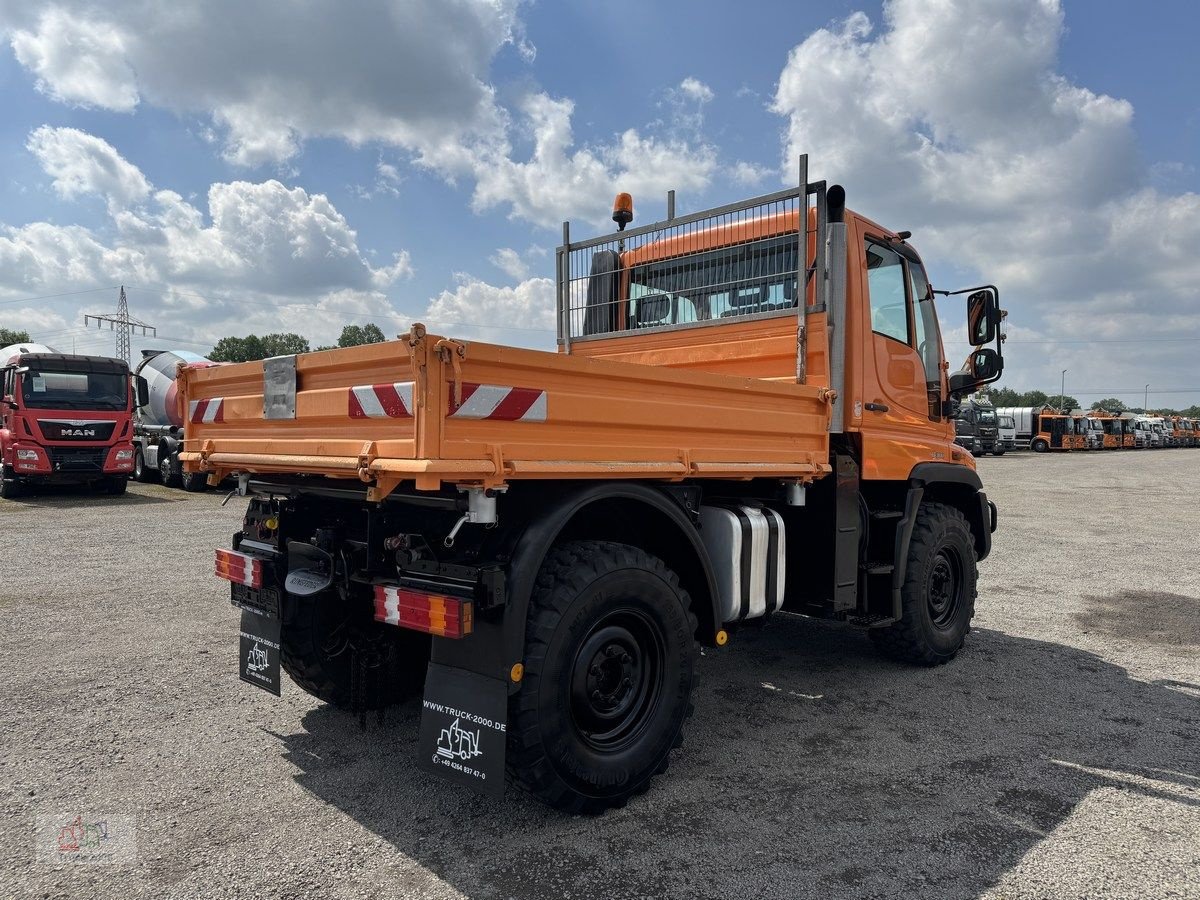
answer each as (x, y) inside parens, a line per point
(240, 568)
(431, 613)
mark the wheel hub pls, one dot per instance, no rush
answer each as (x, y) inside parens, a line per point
(945, 588)
(616, 680)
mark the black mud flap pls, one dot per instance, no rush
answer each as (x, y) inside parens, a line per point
(463, 724)
(259, 656)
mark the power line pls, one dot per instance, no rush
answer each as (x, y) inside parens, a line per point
(112, 287)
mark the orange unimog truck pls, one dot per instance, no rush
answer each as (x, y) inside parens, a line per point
(750, 413)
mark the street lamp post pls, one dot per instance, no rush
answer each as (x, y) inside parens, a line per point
(1146, 400)
(1062, 389)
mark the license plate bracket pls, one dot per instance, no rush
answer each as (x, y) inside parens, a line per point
(259, 651)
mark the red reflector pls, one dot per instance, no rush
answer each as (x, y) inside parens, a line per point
(240, 568)
(432, 613)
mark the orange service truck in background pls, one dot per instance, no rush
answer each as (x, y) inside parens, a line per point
(750, 413)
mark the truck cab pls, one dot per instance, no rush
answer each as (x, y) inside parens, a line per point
(64, 419)
(1006, 430)
(1052, 430)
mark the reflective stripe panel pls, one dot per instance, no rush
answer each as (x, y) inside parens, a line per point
(381, 401)
(206, 411)
(499, 402)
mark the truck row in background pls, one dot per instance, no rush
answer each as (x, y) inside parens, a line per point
(70, 419)
(983, 428)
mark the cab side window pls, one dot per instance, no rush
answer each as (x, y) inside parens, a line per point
(885, 282)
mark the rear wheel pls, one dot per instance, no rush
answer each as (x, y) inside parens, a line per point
(346, 662)
(168, 473)
(194, 482)
(10, 487)
(938, 594)
(1040, 446)
(609, 656)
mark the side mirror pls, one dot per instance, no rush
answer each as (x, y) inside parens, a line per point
(982, 366)
(983, 316)
(653, 309)
(143, 391)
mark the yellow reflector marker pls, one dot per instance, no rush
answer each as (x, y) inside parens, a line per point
(722, 638)
(517, 672)
(271, 523)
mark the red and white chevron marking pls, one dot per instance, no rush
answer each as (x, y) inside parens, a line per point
(494, 401)
(382, 401)
(206, 411)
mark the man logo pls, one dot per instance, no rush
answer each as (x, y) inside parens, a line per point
(79, 432)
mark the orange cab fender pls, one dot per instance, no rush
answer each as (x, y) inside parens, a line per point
(657, 520)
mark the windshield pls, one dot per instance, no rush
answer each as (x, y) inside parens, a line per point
(987, 417)
(1007, 422)
(42, 389)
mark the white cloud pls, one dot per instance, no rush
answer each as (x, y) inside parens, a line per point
(750, 174)
(509, 261)
(527, 308)
(562, 181)
(953, 120)
(278, 255)
(411, 74)
(696, 89)
(77, 59)
(81, 163)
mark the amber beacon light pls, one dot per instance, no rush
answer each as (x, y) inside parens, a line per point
(623, 210)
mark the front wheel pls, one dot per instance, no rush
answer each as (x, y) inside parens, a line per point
(142, 473)
(938, 594)
(610, 651)
(115, 485)
(10, 487)
(1040, 446)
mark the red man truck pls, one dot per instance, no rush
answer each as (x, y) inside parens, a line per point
(64, 419)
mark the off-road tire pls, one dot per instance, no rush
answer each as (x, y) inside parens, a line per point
(590, 598)
(194, 482)
(168, 473)
(931, 633)
(312, 651)
(1040, 446)
(10, 487)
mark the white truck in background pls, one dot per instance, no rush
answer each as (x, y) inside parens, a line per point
(1006, 431)
(158, 424)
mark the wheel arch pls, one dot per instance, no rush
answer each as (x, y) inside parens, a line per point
(624, 512)
(960, 487)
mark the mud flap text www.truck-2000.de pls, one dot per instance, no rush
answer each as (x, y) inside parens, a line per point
(463, 725)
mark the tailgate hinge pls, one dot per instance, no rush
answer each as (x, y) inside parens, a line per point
(418, 351)
(453, 352)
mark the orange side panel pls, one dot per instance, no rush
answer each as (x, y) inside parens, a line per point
(524, 414)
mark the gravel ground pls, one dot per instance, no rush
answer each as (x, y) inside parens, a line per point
(1058, 756)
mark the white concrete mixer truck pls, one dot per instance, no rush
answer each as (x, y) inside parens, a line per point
(158, 423)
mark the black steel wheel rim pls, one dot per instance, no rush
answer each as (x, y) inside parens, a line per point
(617, 680)
(945, 587)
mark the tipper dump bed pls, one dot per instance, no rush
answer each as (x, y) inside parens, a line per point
(438, 411)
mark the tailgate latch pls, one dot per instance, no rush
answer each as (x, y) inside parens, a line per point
(453, 353)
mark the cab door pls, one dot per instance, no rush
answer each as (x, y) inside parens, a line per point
(902, 371)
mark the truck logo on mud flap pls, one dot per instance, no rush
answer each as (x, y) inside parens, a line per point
(256, 659)
(457, 743)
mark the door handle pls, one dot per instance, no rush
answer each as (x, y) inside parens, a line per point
(876, 407)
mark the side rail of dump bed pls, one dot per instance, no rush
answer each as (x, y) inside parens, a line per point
(433, 410)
